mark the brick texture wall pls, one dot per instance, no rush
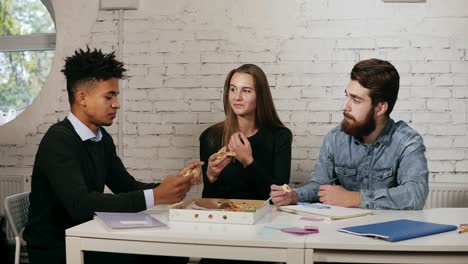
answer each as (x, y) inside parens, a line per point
(179, 52)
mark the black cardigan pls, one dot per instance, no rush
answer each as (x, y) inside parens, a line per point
(271, 150)
(68, 182)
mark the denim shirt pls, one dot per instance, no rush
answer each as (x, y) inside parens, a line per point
(391, 173)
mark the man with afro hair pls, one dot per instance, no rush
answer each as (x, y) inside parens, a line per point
(76, 159)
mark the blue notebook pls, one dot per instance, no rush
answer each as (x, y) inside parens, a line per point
(398, 230)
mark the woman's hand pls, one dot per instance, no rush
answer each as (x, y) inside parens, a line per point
(240, 144)
(215, 166)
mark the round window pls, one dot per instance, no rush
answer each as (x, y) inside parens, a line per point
(27, 45)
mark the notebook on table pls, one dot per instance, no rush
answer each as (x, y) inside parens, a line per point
(327, 212)
(128, 220)
(398, 230)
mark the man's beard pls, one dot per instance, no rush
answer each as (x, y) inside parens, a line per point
(358, 129)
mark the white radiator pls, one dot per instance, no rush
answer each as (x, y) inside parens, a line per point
(447, 195)
(9, 185)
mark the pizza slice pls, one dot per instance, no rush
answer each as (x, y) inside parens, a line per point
(193, 173)
(223, 152)
(286, 188)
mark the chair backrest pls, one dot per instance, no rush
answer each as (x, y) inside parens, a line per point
(16, 211)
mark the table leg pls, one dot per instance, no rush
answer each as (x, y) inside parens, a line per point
(73, 250)
(309, 256)
(295, 256)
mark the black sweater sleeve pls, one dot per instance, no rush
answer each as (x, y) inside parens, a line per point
(209, 144)
(60, 159)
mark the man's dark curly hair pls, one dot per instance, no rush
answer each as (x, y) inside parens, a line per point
(87, 66)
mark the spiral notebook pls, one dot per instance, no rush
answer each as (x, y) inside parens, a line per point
(398, 230)
(129, 220)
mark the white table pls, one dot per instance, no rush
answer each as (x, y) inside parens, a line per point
(223, 241)
(333, 246)
(255, 242)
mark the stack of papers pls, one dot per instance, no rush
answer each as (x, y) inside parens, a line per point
(398, 230)
(128, 220)
(328, 212)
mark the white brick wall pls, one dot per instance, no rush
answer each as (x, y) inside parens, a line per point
(178, 53)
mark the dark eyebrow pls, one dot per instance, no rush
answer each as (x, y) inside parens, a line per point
(354, 96)
(112, 93)
(244, 87)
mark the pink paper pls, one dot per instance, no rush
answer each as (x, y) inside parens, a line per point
(300, 231)
(311, 228)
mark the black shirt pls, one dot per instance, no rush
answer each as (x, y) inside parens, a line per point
(271, 151)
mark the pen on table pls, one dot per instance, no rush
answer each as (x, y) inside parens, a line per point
(463, 230)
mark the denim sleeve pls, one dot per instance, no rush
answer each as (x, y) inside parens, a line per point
(412, 179)
(323, 173)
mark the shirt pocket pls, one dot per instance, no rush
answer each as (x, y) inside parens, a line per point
(382, 178)
(347, 178)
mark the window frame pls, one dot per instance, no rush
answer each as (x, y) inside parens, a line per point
(32, 42)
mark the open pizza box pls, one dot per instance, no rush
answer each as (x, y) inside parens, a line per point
(224, 211)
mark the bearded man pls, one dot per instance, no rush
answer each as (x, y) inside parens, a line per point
(369, 161)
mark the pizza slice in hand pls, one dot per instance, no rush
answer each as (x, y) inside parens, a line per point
(195, 173)
(223, 152)
(286, 188)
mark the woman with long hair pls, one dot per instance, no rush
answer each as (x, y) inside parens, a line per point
(253, 131)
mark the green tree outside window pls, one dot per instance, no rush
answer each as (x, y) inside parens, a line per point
(22, 72)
